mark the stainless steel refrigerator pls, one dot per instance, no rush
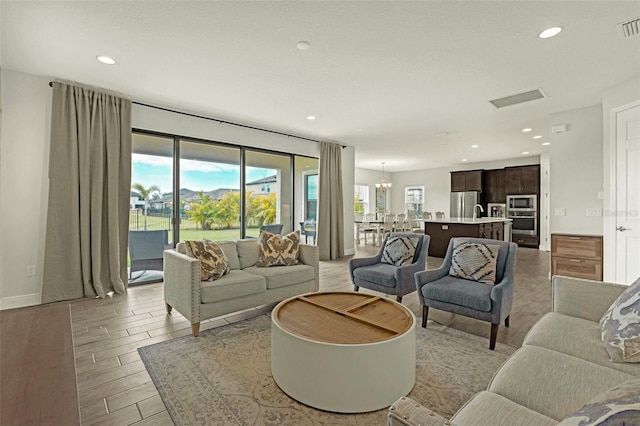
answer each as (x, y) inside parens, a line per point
(461, 204)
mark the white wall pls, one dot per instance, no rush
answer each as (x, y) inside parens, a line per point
(24, 185)
(616, 97)
(24, 156)
(577, 171)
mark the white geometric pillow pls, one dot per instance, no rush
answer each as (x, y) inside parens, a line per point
(399, 251)
(614, 407)
(620, 326)
(475, 261)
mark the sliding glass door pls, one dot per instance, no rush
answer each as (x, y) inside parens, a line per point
(268, 192)
(150, 206)
(209, 195)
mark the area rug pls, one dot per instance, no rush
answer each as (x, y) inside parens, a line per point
(224, 377)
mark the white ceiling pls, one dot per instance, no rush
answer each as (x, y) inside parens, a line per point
(382, 76)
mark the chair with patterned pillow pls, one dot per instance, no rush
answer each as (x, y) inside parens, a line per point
(392, 270)
(475, 279)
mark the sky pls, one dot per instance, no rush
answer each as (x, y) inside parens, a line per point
(195, 175)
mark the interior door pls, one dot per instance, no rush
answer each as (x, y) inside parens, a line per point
(627, 195)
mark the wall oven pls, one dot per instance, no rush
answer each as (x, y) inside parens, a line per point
(522, 210)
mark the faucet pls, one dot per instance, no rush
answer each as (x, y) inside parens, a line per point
(475, 211)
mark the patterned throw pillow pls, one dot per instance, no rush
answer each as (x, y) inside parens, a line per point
(617, 406)
(213, 262)
(475, 261)
(620, 326)
(279, 250)
(399, 251)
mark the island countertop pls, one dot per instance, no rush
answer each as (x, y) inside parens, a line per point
(442, 230)
(463, 220)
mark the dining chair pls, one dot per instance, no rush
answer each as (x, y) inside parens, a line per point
(427, 215)
(440, 215)
(400, 222)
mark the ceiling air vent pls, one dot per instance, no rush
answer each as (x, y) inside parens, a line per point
(629, 28)
(518, 98)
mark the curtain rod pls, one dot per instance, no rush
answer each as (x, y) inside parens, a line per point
(221, 121)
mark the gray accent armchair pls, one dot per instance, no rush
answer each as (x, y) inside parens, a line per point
(437, 289)
(370, 273)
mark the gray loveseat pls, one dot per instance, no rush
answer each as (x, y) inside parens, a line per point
(245, 286)
(561, 366)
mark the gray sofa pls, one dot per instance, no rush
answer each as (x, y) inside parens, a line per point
(560, 367)
(245, 286)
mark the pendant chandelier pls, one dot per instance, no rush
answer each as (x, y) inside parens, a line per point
(383, 186)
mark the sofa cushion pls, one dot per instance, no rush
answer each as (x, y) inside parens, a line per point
(399, 251)
(285, 275)
(236, 283)
(279, 250)
(213, 262)
(617, 406)
(620, 326)
(491, 409)
(459, 291)
(230, 250)
(552, 383)
(380, 273)
(248, 252)
(475, 261)
(576, 337)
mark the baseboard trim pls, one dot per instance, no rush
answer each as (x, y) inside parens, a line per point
(349, 252)
(21, 301)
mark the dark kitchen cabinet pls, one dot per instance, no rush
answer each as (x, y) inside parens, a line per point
(495, 186)
(523, 180)
(466, 181)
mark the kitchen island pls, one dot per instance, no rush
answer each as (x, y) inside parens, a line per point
(442, 230)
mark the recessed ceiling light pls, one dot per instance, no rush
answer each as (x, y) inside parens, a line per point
(438, 134)
(311, 117)
(106, 60)
(550, 32)
(358, 130)
(537, 137)
(525, 152)
(474, 146)
(546, 143)
(464, 159)
(527, 129)
(303, 45)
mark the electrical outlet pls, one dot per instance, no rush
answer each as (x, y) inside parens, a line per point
(31, 270)
(561, 211)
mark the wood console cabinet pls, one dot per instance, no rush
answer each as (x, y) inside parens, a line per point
(578, 256)
(523, 180)
(470, 180)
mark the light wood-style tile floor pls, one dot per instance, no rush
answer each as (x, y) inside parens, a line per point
(114, 387)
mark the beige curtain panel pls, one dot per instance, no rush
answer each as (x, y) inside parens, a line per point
(330, 235)
(89, 193)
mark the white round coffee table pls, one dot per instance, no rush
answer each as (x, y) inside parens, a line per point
(343, 352)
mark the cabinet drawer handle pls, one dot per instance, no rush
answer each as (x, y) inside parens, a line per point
(575, 260)
(574, 238)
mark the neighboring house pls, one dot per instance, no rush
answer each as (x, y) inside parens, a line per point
(187, 195)
(266, 185)
(136, 201)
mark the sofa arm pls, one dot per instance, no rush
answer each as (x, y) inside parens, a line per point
(584, 299)
(182, 284)
(407, 412)
(310, 255)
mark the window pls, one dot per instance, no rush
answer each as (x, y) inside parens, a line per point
(361, 199)
(414, 199)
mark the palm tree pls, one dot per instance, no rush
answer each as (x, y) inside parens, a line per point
(201, 210)
(145, 193)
